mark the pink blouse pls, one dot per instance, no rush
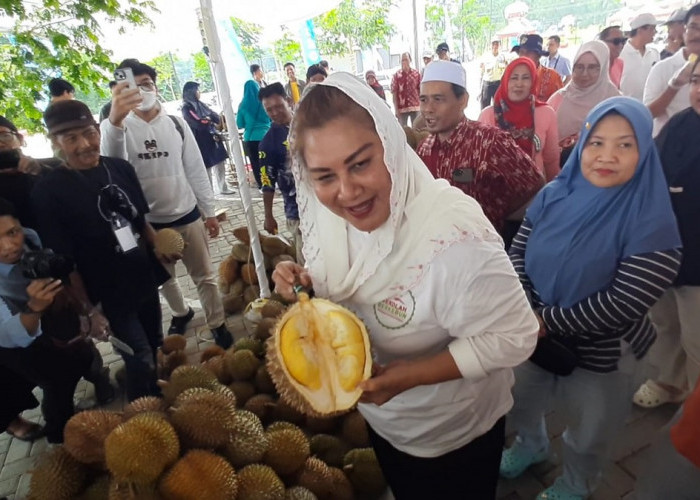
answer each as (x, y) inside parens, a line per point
(547, 158)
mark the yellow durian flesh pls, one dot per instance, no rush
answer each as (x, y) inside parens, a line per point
(321, 353)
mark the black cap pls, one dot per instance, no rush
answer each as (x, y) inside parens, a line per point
(4, 122)
(533, 43)
(442, 46)
(66, 115)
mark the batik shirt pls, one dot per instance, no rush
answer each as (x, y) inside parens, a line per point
(548, 82)
(503, 177)
(406, 87)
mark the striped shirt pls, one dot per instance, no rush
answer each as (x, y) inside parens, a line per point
(618, 313)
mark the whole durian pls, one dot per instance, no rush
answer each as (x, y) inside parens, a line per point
(200, 475)
(318, 355)
(144, 404)
(330, 449)
(57, 476)
(168, 241)
(249, 442)
(259, 482)
(203, 418)
(85, 433)
(354, 430)
(140, 449)
(316, 477)
(362, 469)
(172, 343)
(287, 450)
(341, 488)
(241, 365)
(186, 377)
(243, 391)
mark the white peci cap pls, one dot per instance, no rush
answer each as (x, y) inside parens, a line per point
(445, 71)
(645, 19)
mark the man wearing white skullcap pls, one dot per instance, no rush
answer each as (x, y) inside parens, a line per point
(483, 161)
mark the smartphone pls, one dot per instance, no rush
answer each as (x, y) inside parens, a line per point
(125, 75)
(463, 175)
(9, 158)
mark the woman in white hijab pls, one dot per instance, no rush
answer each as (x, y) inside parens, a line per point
(590, 84)
(420, 264)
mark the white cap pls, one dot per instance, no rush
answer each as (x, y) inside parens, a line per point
(427, 53)
(645, 19)
(445, 71)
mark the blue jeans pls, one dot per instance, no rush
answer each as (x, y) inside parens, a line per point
(141, 329)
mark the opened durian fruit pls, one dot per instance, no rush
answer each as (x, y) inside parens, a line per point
(317, 356)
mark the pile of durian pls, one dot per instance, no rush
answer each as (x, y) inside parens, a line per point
(238, 281)
(220, 431)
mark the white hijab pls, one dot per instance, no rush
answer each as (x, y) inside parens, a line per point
(427, 216)
(578, 102)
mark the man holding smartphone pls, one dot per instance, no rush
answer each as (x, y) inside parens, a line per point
(171, 171)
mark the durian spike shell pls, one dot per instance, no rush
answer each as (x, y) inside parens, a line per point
(259, 482)
(140, 449)
(143, 405)
(168, 242)
(242, 235)
(318, 355)
(186, 377)
(200, 474)
(249, 442)
(126, 491)
(173, 343)
(299, 493)
(204, 419)
(210, 352)
(362, 469)
(228, 269)
(287, 450)
(342, 487)
(241, 252)
(85, 433)
(316, 477)
(248, 274)
(274, 246)
(57, 476)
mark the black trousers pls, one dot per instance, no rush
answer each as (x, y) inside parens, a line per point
(141, 329)
(56, 370)
(488, 90)
(468, 473)
(251, 149)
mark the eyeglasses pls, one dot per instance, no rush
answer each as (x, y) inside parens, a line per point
(8, 137)
(592, 69)
(617, 41)
(147, 86)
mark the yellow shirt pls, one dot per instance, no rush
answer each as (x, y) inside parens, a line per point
(295, 91)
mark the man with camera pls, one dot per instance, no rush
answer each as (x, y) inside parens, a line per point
(171, 171)
(92, 209)
(41, 339)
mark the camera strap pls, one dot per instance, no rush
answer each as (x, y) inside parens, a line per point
(121, 227)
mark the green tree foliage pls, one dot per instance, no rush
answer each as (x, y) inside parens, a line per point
(287, 49)
(169, 86)
(467, 18)
(249, 37)
(354, 24)
(201, 72)
(52, 38)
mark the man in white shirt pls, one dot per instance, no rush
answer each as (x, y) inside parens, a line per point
(638, 58)
(556, 61)
(667, 91)
(171, 171)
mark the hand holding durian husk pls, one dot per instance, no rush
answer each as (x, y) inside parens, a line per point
(318, 353)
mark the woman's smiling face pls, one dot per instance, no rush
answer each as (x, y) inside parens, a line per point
(345, 160)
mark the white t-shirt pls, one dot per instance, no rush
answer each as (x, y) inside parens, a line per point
(636, 69)
(169, 166)
(470, 302)
(657, 83)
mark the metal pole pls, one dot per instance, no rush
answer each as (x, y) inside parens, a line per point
(234, 144)
(416, 48)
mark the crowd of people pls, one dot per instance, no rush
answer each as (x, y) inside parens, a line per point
(546, 254)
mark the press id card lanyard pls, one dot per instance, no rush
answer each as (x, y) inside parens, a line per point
(121, 227)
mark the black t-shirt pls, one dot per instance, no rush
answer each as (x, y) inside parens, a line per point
(16, 187)
(74, 219)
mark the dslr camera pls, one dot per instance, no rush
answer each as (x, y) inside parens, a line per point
(44, 263)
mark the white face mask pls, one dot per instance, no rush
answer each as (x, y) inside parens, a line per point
(149, 100)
